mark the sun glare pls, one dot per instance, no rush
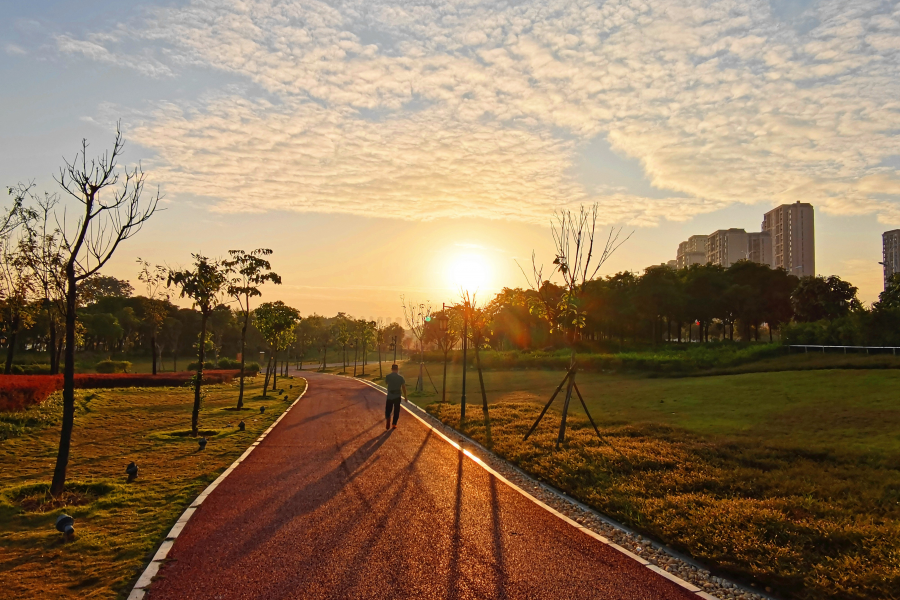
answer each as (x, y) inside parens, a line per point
(469, 272)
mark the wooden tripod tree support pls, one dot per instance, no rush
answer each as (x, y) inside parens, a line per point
(569, 382)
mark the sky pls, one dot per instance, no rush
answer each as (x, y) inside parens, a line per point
(402, 149)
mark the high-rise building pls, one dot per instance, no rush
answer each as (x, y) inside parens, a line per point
(726, 246)
(891, 252)
(759, 248)
(792, 228)
(691, 252)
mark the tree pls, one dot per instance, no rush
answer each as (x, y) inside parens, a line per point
(343, 333)
(155, 305)
(816, 298)
(890, 297)
(309, 330)
(251, 271)
(576, 262)
(276, 322)
(16, 288)
(205, 285)
(417, 315)
(97, 287)
(111, 211)
(43, 255)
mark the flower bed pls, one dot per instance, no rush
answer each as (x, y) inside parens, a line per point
(18, 392)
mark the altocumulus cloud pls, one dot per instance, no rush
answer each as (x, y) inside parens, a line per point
(429, 109)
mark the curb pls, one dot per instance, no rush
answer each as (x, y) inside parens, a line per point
(139, 591)
(659, 571)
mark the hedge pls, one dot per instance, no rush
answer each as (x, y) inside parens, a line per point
(18, 392)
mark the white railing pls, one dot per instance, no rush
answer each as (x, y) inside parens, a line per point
(806, 347)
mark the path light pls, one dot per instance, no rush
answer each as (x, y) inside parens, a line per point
(262, 409)
(242, 426)
(132, 471)
(66, 526)
(202, 442)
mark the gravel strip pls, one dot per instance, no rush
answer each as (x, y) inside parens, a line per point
(654, 552)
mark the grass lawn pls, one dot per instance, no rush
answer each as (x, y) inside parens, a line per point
(789, 480)
(118, 525)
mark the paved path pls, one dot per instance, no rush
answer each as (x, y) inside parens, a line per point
(332, 506)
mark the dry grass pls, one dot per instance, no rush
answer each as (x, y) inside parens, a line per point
(780, 485)
(118, 524)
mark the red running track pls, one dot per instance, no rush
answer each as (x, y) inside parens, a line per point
(330, 505)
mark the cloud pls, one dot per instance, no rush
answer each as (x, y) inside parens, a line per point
(14, 49)
(436, 109)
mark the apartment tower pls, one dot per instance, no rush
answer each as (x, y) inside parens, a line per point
(792, 231)
(891, 253)
(691, 252)
(726, 246)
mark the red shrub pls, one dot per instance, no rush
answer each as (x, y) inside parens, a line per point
(18, 392)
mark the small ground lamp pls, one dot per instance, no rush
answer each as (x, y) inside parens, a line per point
(242, 426)
(132, 471)
(202, 442)
(66, 526)
(262, 409)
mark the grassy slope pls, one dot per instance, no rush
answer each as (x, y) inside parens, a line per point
(788, 479)
(118, 532)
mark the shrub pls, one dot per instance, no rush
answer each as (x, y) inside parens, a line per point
(207, 365)
(20, 391)
(250, 368)
(113, 366)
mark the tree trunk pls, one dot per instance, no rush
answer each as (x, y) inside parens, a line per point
(153, 349)
(380, 373)
(54, 364)
(480, 380)
(653, 330)
(444, 384)
(274, 369)
(355, 357)
(59, 349)
(770, 332)
(11, 350)
(198, 382)
(240, 403)
(68, 422)
(268, 374)
(324, 357)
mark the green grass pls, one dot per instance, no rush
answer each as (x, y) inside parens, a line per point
(784, 479)
(118, 525)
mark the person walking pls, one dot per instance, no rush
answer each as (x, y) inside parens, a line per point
(396, 391)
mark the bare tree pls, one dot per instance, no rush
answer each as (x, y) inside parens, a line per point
(578, 262)
(43, 253)
(16, 289)
(110, 211)
(416, 315)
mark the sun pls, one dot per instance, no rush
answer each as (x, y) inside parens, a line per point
(468, 271)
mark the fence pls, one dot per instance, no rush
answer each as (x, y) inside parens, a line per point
(879, 349)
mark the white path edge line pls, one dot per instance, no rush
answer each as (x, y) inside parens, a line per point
(139, 590)
(659, 571)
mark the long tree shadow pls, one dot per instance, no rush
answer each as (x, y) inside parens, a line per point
(456, 535)
(497, 542)
(488, 438)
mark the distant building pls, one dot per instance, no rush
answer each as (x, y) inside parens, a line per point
(792, 230)
(672, 264)
(759, 248)
(727, 246)
(891, 253)
(691, 252)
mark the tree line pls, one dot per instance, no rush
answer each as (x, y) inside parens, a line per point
(701, 303)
